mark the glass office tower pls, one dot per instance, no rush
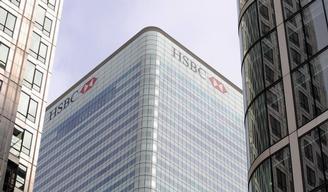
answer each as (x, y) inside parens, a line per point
(28, 30)
(151, 117)
(284, 46)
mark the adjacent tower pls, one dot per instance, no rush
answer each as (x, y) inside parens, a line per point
(151, 117)
(28, 31)
(284, 48)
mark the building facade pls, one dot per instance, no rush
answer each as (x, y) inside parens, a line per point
(28, 31)
(284, 48)
(151, 117)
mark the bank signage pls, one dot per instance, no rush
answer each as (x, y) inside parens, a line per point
(189, 63)
(72, 98)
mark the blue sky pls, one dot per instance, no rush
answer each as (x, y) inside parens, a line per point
(91, 30)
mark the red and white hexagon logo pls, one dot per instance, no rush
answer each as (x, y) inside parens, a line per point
(88, 85)
(218, 85)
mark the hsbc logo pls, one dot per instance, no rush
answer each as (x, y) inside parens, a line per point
(218, 85)
(71, 99)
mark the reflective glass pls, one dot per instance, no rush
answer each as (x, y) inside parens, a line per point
(253, 73)
(290, 7)
(324, 146)
(266, 16)
(311, 160)
(296, 43)
(261, 178)
(271, 58)
(4, 52)
(23, 103)
(282, 171)
(7, 21)
(257, 128)
(32, 110)
(303, 95)
(27, 142)
(315, 27)
(319, 68)
(249, 28)
(276, 113)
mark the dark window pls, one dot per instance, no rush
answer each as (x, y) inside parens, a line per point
(281, 180)
(1, 85)
(290, 7)
(275, 127)
(310, 176)
(304, 102)
(4, 53)
(38, 49)
(266, 16)
(261, 178)
(308, 150)
(7, 22)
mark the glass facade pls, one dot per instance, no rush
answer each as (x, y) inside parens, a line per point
(284, 48)
(151, 117)
(27, 44)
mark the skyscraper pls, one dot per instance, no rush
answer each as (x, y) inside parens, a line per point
(28, 31)
(285, 68)
(151, 117)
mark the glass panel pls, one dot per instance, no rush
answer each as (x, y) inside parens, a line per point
(4, 51)
(29, 74)
(282, 171)
(249, 28)
(305, 2)
(16, 141)
(290, 7)
(319, 67)
(303, 95)
(27, 142)
(311, 160)
(37, 80)
(257, 128)
(315, 27)
(11, 20)
(21, 175)
(296, 43)
(47, 26)
(39, 16)
(253, 73)
(266, 16)
(261, 178)
(276, 113)
(3, 15)
(271, 59)
(35, 42)
(32, 110)
(324, 145)
(23, 103)
(52, 3)
(43, 52)
(326, 6)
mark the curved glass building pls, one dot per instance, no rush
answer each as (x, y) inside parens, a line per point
(151, 117)
(284, 49)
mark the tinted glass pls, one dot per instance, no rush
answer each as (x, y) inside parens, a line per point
(290, 7)
(282, 171)
(315, 27)
(276, 113)
(257, 129)
(261, 178)
(253, 73)
(266, 16)
(249, 28)
(271, 59)
(319, 67)
(311, 160)
(296, 43)
(303, 95)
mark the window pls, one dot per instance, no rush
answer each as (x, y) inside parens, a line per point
(33, 77)
(21, 175)
(4, 52)
(51, 3)
(27, 107)
(1, 85)
(21, 141)
(15, 2)
(42, 21)
(7, 22)
(38, 49)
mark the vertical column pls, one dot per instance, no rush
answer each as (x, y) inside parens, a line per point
(287, 83)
